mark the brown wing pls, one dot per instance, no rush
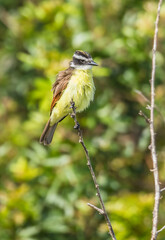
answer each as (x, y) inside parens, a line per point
(59, 86)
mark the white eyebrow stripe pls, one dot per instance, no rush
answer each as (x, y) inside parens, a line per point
(80, 57)
(82, 67)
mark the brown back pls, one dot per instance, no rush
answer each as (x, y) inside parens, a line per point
(60, 84)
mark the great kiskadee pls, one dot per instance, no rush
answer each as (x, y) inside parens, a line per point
(73, 84)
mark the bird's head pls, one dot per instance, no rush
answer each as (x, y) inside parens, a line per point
(82, 60)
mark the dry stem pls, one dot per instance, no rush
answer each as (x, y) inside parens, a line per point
(161, 229)
(152, 131)
(102, 210)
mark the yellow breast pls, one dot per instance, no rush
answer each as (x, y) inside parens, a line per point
(81, 89)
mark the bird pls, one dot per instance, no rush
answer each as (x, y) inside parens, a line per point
(73, 84)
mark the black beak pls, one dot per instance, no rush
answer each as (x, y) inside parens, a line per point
(93, 63)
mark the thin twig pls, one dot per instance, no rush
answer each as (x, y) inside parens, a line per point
(142, 95)
(163, 189)
(77, 126)
(152, 131)
(96, 208)
(161, 229)
(145, 117)
(148, 101)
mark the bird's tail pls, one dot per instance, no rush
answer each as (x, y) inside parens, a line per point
(47, 134)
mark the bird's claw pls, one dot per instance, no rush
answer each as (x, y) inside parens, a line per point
(76, 126)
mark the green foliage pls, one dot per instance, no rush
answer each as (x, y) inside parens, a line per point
(44, 190)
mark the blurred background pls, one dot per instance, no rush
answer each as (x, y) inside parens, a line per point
(44, 190)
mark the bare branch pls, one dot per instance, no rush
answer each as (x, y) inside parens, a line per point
(161, 229)
(142, 95)
(163, 189)
(148, 101)
(96, 208)
(152, 131)
(77, 126)
(145, 117)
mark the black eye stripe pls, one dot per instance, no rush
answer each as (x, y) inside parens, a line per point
(79, 61)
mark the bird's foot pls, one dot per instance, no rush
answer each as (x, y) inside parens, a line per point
(77, 125)
(72, 104)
